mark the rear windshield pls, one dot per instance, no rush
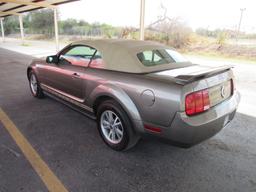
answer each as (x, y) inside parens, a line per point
(159, 57)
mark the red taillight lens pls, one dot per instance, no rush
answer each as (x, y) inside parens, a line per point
(206, 99)
(197, 102)
(190, 104)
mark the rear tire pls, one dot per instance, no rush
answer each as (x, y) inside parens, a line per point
(115, 126)
(34, 85)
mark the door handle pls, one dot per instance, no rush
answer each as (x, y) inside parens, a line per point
(75, 75)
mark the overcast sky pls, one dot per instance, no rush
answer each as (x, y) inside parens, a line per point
(196, 13)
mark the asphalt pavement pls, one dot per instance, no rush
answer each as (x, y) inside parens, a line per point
(70, 145)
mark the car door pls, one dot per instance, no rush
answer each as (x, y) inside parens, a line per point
(66, 77)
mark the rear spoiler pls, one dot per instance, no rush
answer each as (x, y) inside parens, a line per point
(184, 79)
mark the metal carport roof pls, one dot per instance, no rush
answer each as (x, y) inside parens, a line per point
(13, 7)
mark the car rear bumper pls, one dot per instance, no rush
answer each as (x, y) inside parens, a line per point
(188, 131)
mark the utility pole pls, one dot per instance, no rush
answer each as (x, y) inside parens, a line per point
(142, 18)
(21, 29)
(56, 29)
(240, 21)
(2, 28)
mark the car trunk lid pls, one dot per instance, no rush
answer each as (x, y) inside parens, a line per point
(217, 81)
(192, 73)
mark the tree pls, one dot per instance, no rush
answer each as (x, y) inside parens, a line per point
(174, 31)
(67, 26)
(221, 38)
(11, 25)
(42, 22)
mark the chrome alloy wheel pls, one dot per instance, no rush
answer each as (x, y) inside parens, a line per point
(111, 127)
(33, 84)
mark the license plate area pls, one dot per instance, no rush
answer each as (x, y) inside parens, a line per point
(220, 93)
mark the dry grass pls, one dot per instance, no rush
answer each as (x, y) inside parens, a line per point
(232, 51)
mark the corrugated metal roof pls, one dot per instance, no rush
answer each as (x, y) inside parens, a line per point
(14, 7)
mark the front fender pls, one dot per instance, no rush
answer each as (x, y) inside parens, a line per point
(32, 66)
(121, 97)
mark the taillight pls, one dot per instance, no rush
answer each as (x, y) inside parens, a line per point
(233, 88)
(197, 102)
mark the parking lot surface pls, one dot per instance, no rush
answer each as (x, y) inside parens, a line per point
(69, 144)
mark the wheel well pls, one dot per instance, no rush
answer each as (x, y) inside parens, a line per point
(103, 98)
(28, 71)
(99, 100)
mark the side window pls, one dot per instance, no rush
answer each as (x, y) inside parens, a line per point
(155, 57)
(79, 56)
(97, 61)
(150, 57)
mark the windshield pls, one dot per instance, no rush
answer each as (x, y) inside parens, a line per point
(159, 57)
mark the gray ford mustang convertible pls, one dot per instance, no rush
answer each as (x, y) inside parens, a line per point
(135, 88)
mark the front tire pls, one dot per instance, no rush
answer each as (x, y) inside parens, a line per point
(34, 86)
(115, 126)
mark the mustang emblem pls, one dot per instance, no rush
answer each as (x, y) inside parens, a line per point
(223, 91)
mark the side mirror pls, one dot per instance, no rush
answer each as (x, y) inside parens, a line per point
(52, 59)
